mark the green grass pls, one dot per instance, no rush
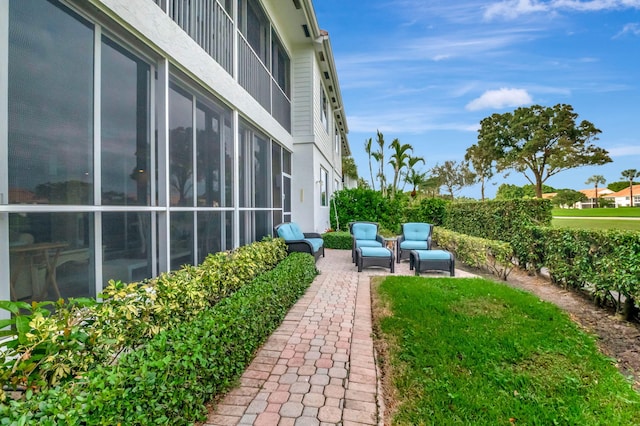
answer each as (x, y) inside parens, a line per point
(586, 223)
(617, 212)
(471, 351)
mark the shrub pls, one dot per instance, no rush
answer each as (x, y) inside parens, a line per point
(491, 255)
(337, 240)
(361, 204)
(430, 210)
(607, 263)
(170, 378)
(497, 220)
(45, 348)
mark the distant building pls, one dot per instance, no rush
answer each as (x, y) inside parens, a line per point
(590, 193)
(623, 198)
(140, 135)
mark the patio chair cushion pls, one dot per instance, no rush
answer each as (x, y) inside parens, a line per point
(368, 243)
(414, 245)
(364, 231)
(416, 231)
(290, 232)
(433, 254)
(298, 241)
(317, 243)
(375, 252)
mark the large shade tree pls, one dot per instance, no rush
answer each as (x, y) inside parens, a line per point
(482, 158)
(630, 175)
(568, 198)
(540, 142)
(453, 175)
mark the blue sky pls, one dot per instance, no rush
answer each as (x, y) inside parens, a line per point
(427, 71)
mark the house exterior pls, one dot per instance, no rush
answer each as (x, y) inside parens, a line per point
(138, 136)
(623, 197)
(590, 193)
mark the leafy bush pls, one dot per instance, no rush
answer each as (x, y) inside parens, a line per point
(45, 348)
(171, 377)
(430, 210)
(337, 240)
(494, 256)
(529, 248)
(497, 220)
(607, 263)
(361, 204)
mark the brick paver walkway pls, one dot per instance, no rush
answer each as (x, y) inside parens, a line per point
(318, 367)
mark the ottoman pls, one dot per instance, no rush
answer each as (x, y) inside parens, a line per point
(374, 256)
(432, 260)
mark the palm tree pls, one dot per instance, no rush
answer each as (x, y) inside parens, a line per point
(630, 175)
(411, 163)
(596, 180)
(349, 168)
(416, 180)
(367, 149)
(398, 161)
(379, 156)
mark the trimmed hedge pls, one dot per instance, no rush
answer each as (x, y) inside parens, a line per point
(360, 204)
(497, 220)
(607, 263)
(83, 333)
(338, 240)
(169, 379)
(430, 210)
(494, 256)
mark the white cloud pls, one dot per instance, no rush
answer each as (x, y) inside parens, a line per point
(633, 29)
(499, 99)
(405, 122)
(441, 57)
(511, 9)
(623, 151)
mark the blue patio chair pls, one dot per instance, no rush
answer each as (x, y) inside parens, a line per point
(364, 234)
(296, 240)
(415, 236)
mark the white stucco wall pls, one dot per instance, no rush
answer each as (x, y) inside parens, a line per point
(156, 29)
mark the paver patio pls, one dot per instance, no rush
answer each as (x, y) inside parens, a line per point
(318, 367)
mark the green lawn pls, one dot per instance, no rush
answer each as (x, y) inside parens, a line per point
(618, 212)
(471, 351)
(586, 223)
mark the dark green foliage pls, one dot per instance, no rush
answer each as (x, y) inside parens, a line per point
(357, 204)
(491, 255)
(81, 334)
(169, 379)
(568, 197)
(337, 240)
(618, 186)
(363, 204)
(360, 204)
(540, 142)
(430, 210)
(497, 220)
(607, 263)
(508, 191)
